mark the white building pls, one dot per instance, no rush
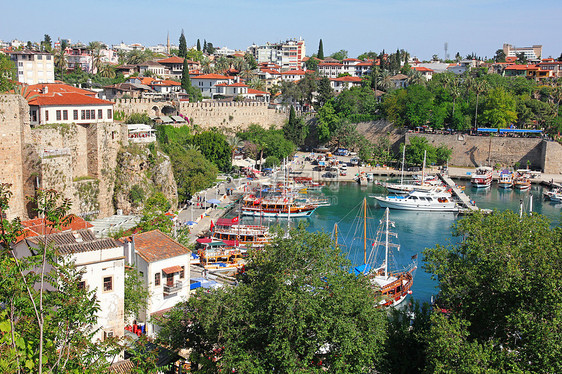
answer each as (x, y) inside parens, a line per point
(61, 103)
(100, 260)
(341, 83)
(141, 133)
(207, 84)
(351, 66)
(164, 264)
(34, 67)
(531, 53)
(293, 75)
(288, 54)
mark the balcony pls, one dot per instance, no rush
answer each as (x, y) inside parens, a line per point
(173, 288)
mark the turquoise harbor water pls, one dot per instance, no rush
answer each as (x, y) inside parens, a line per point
(416, 230)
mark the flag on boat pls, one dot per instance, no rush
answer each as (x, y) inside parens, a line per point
(212, 225)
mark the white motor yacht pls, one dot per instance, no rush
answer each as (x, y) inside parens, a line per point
(419, 200)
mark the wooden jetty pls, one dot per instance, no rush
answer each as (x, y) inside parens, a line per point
(464, 201)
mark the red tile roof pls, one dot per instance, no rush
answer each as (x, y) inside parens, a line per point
(62, 99)
(221, 85)
(422, 68)
(294, 72)
(36, 226)
(522, 67)
(154, 246)
(270, 71)
(57, 87)
(212, 76)
(257, 92)
(239, 84)
(330, 64)
(350, 59)
(347, 79)
(175, 60)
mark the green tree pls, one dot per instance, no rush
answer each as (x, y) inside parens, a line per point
(501, 284)
(320, 53)
(48, 331)
(499, 108)
(339, 55)
(198, 45)
(325, 91)
(500, 56)
(305, 314)
(193, 92)
(215, 148)
(47, 44)
(183, 46)
(295, 129)
(7, 73)
(136, 294)
(521, 58)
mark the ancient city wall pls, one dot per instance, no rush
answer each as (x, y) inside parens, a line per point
(552, 158)
(233, 115)
(14, 115)
(230, 115)
(474, 150)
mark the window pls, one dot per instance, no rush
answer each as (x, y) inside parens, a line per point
(93, 113)
(46, 115)
(182, 272)
(157, 279)
(48, 57)
(75, 115)
(100, 114)
(170, 280)
(82, 285)
(87, 114)
(65, 115)
(58, 114)
(83, 112)
(39, 57)
(107, 284)
(109, 116)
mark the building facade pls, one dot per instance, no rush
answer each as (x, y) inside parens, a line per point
(531, 53)
(288, 54)
(34, 67)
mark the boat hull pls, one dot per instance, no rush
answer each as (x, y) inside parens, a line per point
(392, 203)
(261, 213)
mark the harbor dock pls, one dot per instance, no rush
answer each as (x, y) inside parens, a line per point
(466, 206)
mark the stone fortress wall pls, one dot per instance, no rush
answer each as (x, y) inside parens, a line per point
(472, 151)
(208, 114)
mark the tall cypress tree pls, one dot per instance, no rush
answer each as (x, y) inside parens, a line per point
(320, 53)
(183, 46)
(198, 45)
(204, 45)
(193, 92)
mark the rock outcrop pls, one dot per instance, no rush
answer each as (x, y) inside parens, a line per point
(140, 173)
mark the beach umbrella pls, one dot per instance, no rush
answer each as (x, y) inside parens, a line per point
(213, 201)
(191, 223)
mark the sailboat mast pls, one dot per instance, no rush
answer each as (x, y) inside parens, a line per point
(364, 230)
(403, 161)
(336, 233)
(423, 168)
(386, 245)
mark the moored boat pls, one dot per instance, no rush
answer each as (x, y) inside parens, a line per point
(420, 201)
(393, 286)
(482, 177)
(522, 180)
(278, 208)
(506, 179)
(232, 233)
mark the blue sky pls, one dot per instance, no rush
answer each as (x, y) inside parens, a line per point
(421, 27)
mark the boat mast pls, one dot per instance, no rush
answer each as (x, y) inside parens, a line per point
(423, 168)
(364, 230)
(403, 160)
(336, 233)
(386, 245)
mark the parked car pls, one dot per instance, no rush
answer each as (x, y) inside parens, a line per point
(330, 174)
(354, 161)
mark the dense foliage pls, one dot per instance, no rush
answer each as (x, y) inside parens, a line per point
(479, 100)
(296, 309)
(501, 287)
(266, 142)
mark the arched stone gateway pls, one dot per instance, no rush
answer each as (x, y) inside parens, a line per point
(169, 110)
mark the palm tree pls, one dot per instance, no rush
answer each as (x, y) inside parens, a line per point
(121, 56)
(480, 87)
(95, 51)
(415, 77)
(256, 84)
(206, 66)
(24, 91)
(107, 71)
(384, 80)
(221, 65)
(60, 59)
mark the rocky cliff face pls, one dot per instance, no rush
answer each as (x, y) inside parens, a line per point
(140, 173)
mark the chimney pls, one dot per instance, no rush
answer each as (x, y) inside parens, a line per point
(45, 89)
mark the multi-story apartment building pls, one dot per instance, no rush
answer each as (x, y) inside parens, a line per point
(165, 266)
(531, 53)
(351, 66)
(288, 54)
(34, 67)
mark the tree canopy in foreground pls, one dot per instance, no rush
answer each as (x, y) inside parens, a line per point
(297, 309)
(502, 289)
